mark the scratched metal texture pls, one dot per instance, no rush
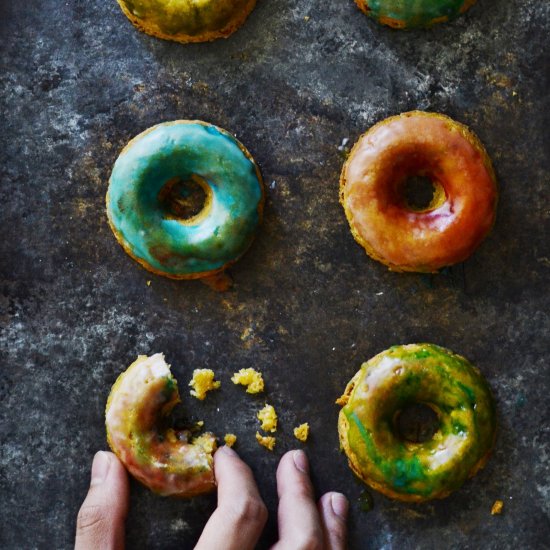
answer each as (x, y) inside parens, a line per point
(297, 84)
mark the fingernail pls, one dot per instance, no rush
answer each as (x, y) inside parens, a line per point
(100, 468)
(300, 461)
(228, 451)
(339, 505)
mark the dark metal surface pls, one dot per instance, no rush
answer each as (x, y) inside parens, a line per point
(78, 81)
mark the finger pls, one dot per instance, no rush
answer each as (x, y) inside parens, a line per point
(299, 521)
(333, 509)
(239, 519)
(100, 522)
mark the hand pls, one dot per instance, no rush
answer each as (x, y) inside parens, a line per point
(239, 519)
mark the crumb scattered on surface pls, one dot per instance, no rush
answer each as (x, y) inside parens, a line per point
(268, 417)
(250, 378)
(230, 439)
(301, 432)
(246, 333)
(148, 283)
(497, 508)
(202, 382)
(200, 423)
(265, 441)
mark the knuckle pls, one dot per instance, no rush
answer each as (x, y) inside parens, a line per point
(89, 518)
(302, 491)
(250, 510)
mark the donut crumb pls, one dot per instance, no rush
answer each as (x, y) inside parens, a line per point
(496, 510)
(230, 439)
(266, 441)
(202, 382)
(268, 417)
(207, 441)
(250, 378)
(301, 433)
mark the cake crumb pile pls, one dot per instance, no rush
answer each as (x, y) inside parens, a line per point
(266, 441)
(268, 417)
(230, 439)
(301, 432)
(202, 382)
(250, 378)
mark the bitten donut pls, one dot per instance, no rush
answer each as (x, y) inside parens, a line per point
(187, 20)
(376, 401)
(374, 177)
(407, 14)
(169, 462)
(154, 179)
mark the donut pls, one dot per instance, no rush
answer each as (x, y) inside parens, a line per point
(187, 20)
(151, 187)
(408, 14)
(403, 465)
(169, 462)
(374, 179)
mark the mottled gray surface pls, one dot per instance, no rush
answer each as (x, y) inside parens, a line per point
(78, 81)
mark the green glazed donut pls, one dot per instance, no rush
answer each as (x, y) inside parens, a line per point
(408, 14)
(144, 178)
(392, 382)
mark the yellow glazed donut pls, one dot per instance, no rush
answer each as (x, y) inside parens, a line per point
(187, 20)
(169, 462)
(403, 465)
(374, 179)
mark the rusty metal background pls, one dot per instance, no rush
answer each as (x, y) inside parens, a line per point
(297, 84)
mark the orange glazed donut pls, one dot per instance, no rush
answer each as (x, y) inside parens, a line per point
(461, 212)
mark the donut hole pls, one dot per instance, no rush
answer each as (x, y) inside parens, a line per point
(421, 193)
(184, 198)
(416, 423)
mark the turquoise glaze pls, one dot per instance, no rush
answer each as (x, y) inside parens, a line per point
(413, 13)
(209, 241)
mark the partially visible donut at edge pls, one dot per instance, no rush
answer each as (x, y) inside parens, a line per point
(187, 20)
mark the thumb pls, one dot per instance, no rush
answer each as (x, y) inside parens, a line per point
(100, 522)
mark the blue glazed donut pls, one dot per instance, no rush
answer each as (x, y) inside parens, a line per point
(143, 179)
